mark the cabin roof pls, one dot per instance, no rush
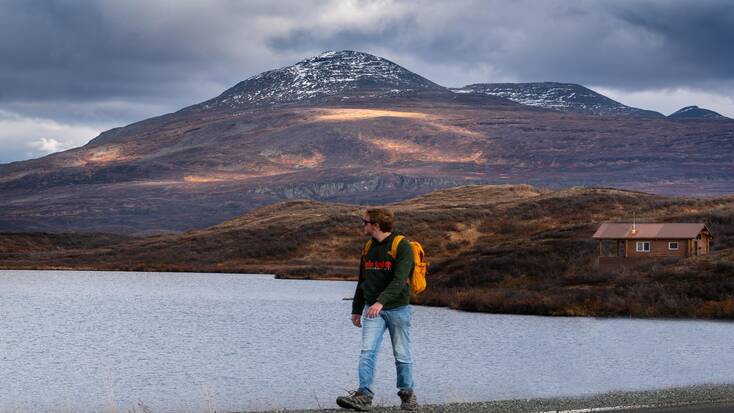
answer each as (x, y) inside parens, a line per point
(609, 230)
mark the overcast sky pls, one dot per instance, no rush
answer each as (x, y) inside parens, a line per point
(70, 69)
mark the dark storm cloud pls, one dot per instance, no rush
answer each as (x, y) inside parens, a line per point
(79, 50)
(701, 32)
(160, 53)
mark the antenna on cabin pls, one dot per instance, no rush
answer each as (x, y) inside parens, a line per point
(634, 223)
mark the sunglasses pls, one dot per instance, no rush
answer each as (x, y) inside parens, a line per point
(365, 222)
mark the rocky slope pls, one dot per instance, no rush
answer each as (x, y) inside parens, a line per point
(565, 97)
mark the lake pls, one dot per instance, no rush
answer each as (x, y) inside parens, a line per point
(176, 342)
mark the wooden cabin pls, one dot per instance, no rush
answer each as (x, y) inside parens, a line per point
(625, 244)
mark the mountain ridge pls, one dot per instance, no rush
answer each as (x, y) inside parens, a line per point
(565, 97)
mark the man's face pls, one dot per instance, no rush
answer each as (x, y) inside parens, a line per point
(367, 225)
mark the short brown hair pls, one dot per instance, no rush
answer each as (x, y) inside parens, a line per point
(383, 217)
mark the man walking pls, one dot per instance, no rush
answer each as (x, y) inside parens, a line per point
(381, 302)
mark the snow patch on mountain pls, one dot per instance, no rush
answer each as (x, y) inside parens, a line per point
(347, 74)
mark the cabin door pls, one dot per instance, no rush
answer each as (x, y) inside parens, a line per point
(695, 248)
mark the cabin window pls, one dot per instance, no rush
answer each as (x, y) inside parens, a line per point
(673, 245)
(643, 246)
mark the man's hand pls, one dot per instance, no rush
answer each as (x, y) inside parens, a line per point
(357, 320)
(374, 310)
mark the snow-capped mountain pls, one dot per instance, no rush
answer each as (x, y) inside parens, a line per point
(355, 128)
(565, 97)
(346, 74)
(694, 112)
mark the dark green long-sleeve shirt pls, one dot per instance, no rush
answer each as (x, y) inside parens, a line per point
(383, 279)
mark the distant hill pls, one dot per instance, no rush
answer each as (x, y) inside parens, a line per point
(565, 97)
(694, 112)
(504, 249)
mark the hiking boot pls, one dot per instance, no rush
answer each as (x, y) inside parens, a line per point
(408, 401)
(358, 400)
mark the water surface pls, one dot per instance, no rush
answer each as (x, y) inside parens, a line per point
(106, 341)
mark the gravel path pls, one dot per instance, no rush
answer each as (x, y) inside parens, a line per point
(703, 394)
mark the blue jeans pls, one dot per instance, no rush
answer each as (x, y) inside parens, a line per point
(398, 321)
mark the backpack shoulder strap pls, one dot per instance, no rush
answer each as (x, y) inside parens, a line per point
(366, 247)
(394, 247)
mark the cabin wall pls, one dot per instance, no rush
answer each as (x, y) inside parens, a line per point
(658, 248)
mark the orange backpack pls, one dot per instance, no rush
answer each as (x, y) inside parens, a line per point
(417, 280)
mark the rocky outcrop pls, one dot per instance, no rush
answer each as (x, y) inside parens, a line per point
(379, 188)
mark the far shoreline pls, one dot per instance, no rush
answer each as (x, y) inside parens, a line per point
(317, 278)
(348, 278)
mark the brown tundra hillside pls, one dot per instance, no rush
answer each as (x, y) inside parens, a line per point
(504, 249)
